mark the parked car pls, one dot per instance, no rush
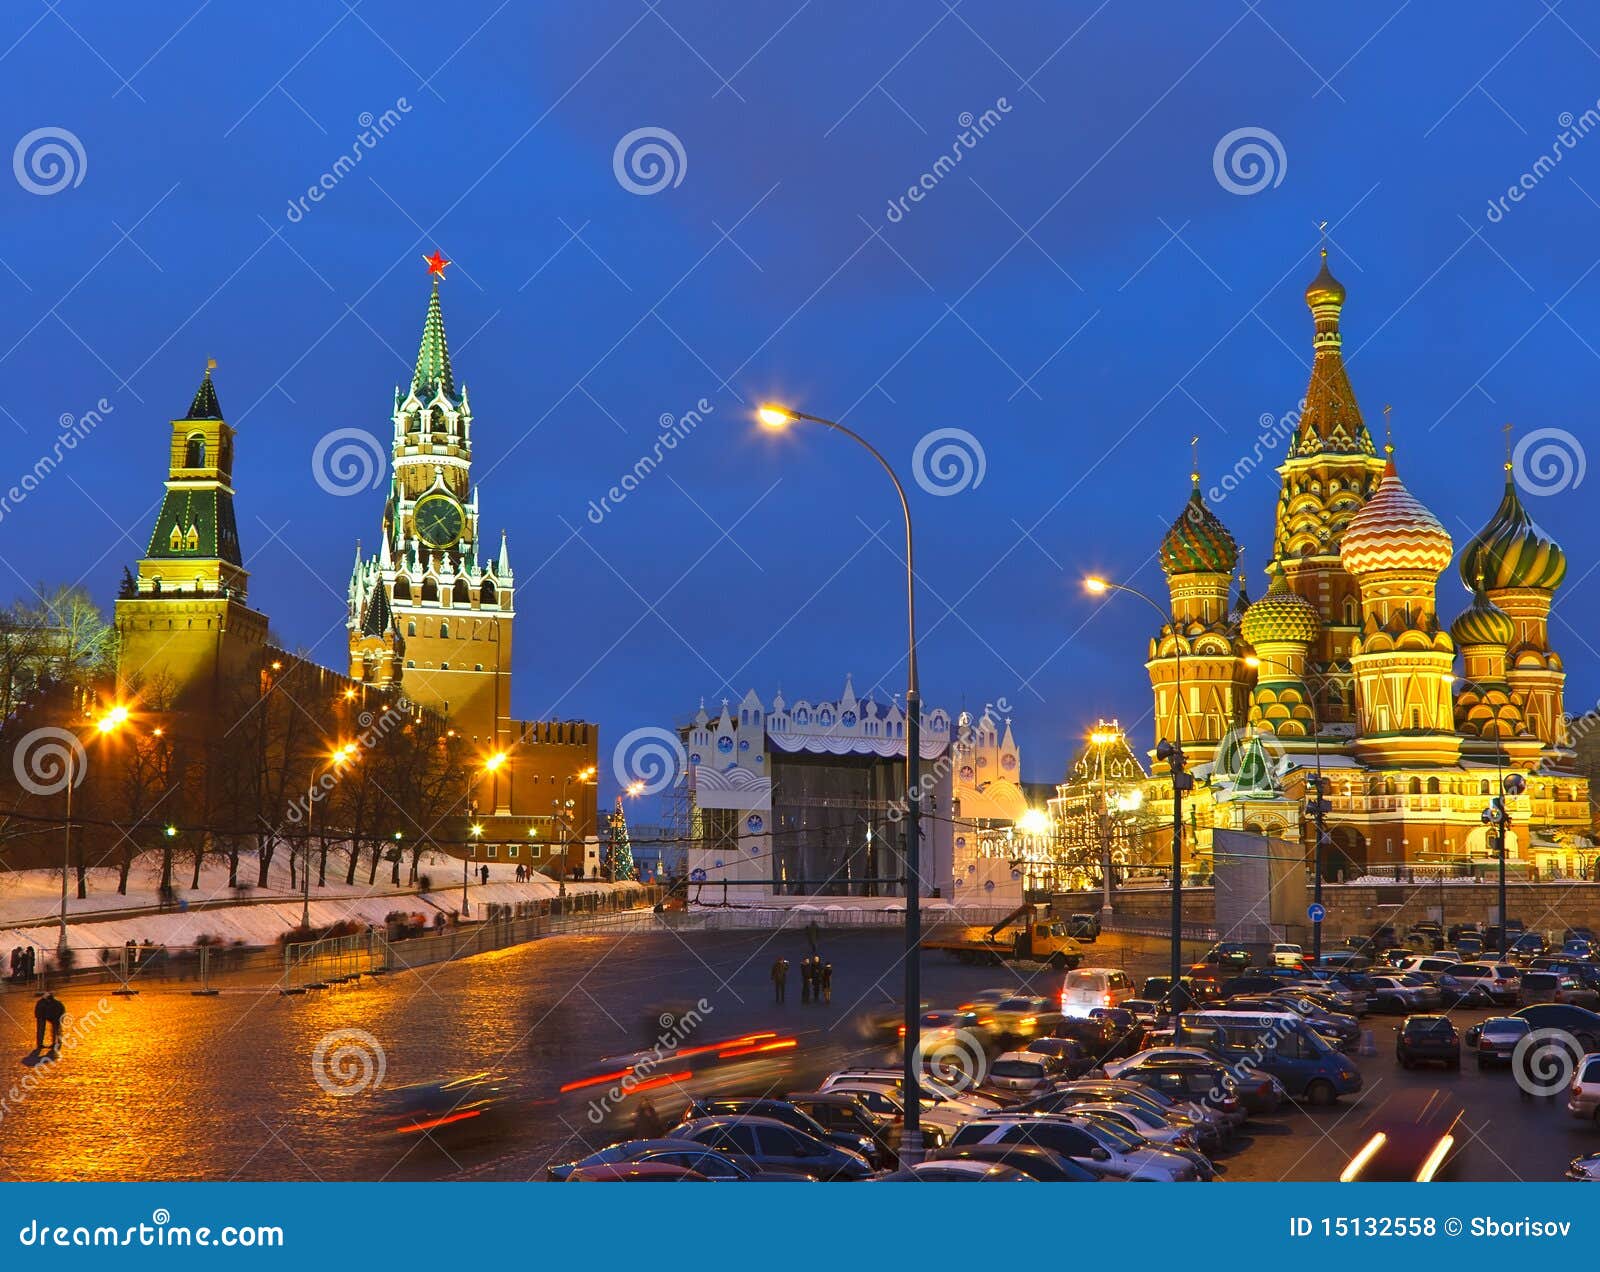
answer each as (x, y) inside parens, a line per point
(1212, 1126)
(842, 1112)
(1085, 988)
(1084, 926)
(784, 1111)
(634, 1173)
(1577, 947)
(1494, 1041)
(774, 1145)
(1427, 1039)
(1580, 1023)
(1017, 1074)
(1285, 954)
(1583, 1096)
(1037, 1163)
(1391, 994)
(1585, 1170)
(1528, 945)
(1070, 1056)
(1282, 1044)
(960, 1172)
(1229, 954)
(1465, 984)
(1428, 964)
(1077, 1142)
(699, 1160)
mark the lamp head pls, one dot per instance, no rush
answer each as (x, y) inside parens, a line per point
(493, 762)
(1095, 585)
(774, 416)
(1252, 660)
(113, 720)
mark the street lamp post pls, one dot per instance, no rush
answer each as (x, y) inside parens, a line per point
(340, 756)
(1172, 753)
(777, 417)
(108, 723)
(1103, 738)
(491, 765)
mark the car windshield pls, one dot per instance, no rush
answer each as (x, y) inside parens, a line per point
(1434, 1026)
(1510, 1028)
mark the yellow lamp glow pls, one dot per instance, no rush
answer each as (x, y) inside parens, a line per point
(1033, 822)
(112, 720)
(493, 762)
(476, 829)
(1250, 660)
(773, 415)
(1096, 585)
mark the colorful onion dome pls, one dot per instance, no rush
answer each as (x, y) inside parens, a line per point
(1394, 531)
(1324, 289)
(1512, 551)
(1483, 623)
(1280, 615)
(1198, 542)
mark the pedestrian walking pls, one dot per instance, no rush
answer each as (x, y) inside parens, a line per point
(48, 1011)
(805, 978)
(30, 963)
(780, 978)
(827, 982)
(483, 873)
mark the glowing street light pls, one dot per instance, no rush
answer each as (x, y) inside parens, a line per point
(776, 416)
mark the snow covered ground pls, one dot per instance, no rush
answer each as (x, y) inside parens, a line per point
(30, 901)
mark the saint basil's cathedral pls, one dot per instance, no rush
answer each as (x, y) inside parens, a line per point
(1346, 663)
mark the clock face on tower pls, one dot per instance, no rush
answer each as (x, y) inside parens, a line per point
(438, 520)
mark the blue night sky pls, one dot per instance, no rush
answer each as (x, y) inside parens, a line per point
(1080, 292)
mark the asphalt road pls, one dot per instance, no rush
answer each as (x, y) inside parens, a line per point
(168, 1086)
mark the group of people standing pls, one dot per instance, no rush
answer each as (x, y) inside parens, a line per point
(816, 979)
(24, 964)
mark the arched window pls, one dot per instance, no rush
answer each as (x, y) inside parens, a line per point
(430, 590)
(1414, 786)
(1433, 786)
(461, 594)
(444, 631)
(194, 451)
(402, 589)
(486, 593)
(411, 628)
(1349, 612)
(1483, 787)
(225, 454)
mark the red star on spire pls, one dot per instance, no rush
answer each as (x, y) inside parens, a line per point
(436, 264)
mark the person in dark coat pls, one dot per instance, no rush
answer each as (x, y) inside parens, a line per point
(48, 1011)
(825, 981)
(805, 979)
(780, 977)
(483, 873)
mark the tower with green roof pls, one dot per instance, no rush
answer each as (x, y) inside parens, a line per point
(187, 627)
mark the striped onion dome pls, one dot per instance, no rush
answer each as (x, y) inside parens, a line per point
(1198, 542)
(1280, 615)
(1394, 531)
(1512, 551)
(1483, 623)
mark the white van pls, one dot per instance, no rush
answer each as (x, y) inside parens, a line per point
(1085, 988)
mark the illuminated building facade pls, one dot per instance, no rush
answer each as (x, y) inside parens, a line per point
(1351, 662)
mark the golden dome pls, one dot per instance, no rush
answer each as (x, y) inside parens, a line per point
(1394, 531)
(1280, 615)
(1324, 289)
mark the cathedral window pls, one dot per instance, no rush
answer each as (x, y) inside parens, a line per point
(430, 590)
(460, 594)
(194, 451)
(402, 590)
(486, 594)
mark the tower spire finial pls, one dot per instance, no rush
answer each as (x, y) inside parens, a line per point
(1388, 432)
(1507, 431)
(1194, 461)
(1322, 230)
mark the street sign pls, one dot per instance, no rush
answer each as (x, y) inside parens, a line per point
(1316, 912)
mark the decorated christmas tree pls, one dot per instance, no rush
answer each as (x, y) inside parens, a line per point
(622, 868)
